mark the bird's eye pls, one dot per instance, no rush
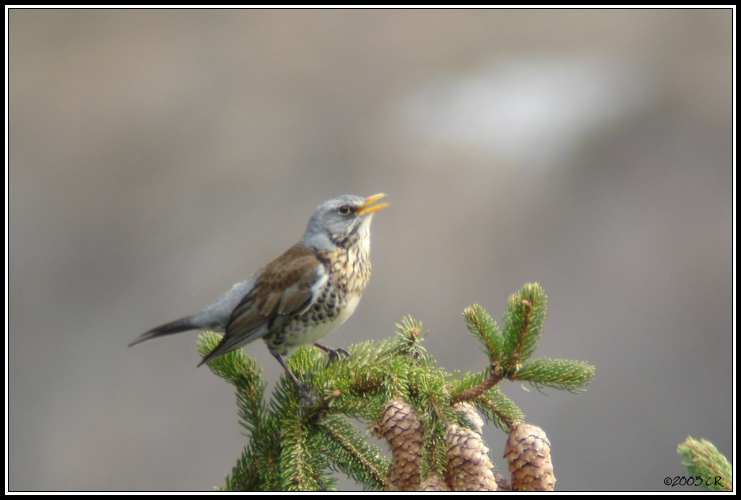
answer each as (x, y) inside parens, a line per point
(345, 210)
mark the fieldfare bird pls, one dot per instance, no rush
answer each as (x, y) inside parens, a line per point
(302, 295)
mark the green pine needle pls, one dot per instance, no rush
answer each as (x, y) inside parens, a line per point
(499, 409)
(709, 468)
(523, 324)
(556, 373)
(482, 326)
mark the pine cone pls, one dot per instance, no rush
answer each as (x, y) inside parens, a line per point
(469, 413)
(402, 429)
(528, 453)
(469, 467)
(433, 482)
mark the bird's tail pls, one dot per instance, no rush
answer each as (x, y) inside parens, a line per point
(177, 326)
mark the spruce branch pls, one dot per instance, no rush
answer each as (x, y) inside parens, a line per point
(431, 420)
(479, 389)
(352, 455)
(499, 409)
(556, 373)
(482, 326)
(706, 464)
(523, 324)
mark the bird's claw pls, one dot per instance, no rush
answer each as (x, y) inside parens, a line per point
(334, 354)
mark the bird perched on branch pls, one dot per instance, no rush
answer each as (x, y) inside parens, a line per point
(301, 296)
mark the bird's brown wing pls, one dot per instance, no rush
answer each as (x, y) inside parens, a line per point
(284, 288)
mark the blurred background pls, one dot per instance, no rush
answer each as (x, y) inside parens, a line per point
(158, 156)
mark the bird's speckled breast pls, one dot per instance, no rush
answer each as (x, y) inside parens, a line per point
(349, 273)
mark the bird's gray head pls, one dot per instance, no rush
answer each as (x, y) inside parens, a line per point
(341, 221)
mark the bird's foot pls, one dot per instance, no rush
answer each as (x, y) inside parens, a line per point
(334, 354)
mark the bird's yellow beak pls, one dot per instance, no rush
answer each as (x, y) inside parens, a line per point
(366, 207)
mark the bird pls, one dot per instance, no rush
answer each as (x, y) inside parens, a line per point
(299, 297)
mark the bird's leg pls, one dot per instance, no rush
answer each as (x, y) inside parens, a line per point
(333, 353)
(304, 391)
(288, 372)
